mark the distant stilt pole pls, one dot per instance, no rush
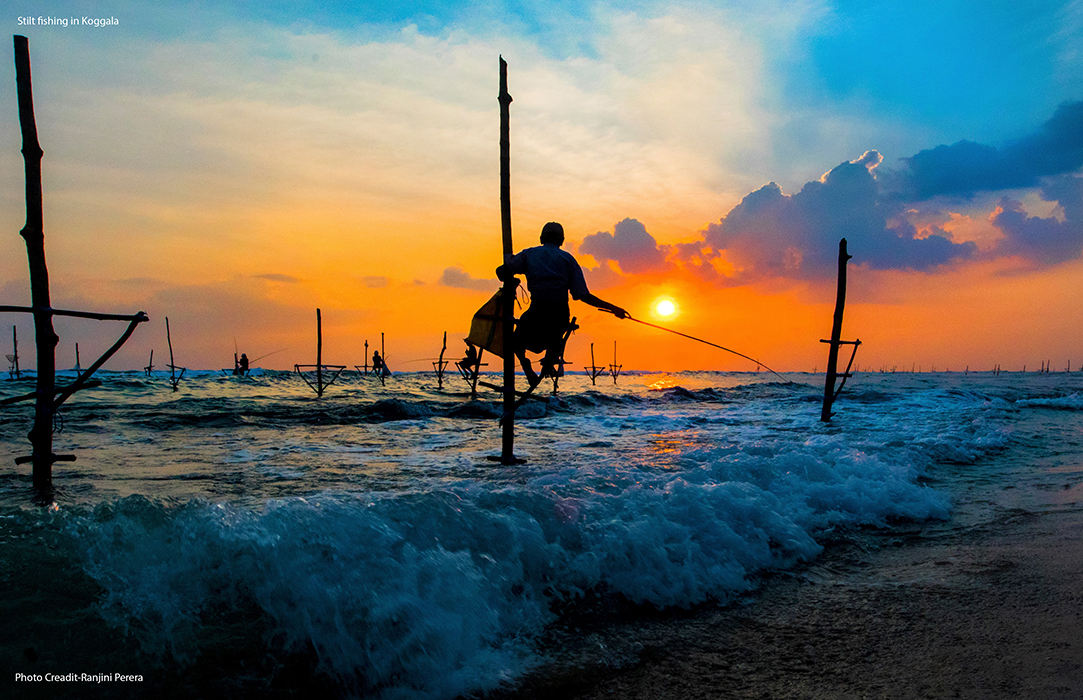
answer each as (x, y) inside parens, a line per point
(507, 453)
(440, 364)
(593, 371)
(173, 378)
(150, 364)
(15, 374)
(614, 369)
(78, 366)
(319, 354)
(366, 365)
(383, 359)
(830, 392)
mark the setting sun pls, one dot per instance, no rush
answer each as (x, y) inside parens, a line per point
(665, 308)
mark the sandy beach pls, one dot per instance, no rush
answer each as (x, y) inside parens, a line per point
(990, 610)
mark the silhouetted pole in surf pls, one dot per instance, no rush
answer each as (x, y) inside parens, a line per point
(320, 385)
(174, 379)
(13, 371)
(614, 369)
(441, 364)
(593, 371)
(507, 452)
(47, 397)
(830, 392)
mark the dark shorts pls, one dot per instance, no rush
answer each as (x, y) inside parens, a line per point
(542, 326)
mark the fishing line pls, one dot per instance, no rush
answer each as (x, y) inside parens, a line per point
(269, 354)
(707, 342)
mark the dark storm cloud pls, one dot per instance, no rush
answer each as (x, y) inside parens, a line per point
(630, 246)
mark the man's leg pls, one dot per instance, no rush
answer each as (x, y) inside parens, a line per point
(531, 376)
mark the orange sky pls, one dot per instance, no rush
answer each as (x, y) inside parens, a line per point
(236, 180)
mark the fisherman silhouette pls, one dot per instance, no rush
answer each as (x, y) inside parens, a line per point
(470, 359)
(377, 362)
(551, 274)
(241, 367)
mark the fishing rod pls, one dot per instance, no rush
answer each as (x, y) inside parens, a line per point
(705, 342)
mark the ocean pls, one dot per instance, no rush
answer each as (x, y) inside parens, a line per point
(241, 536)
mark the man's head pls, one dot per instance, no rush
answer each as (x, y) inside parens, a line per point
(552, 232)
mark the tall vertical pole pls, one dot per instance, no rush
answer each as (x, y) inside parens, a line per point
(15, 351)
(41, 435)
(507, 452)
(319, 354)
(172, 365)
(836, 335)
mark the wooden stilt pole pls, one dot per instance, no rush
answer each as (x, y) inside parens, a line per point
(41, 435)
(319, 354)
(173, 379)
(15, 374)
(507, 453)
(614, 369)
(830, 393)
(47, 399)
(440, 364)
(150, 363)
(333, 370)
(593, 370)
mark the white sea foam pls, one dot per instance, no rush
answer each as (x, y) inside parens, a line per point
(439, 592)
(1072, 402)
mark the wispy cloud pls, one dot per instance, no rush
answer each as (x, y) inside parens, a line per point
(457, 277)
(275, 277)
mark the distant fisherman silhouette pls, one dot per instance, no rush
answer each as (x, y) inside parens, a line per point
(377, 362)
(242, 365)
(470, 359)
(551, 273)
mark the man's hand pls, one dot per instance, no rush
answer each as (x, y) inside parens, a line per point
(621, 313)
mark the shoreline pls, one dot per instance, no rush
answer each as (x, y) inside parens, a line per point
(988, 611)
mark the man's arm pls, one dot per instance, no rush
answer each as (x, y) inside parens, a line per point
(604, 305)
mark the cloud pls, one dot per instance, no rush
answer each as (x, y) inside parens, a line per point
(630, 246)
(885, 215)
(601, 277)
(771, 234)
(275, 277)
(375, 281)
(1043, 241)
(457, 277)
(966, 168)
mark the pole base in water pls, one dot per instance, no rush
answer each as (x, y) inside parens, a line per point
(498, 458)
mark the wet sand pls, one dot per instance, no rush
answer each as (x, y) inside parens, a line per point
(991, 610)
